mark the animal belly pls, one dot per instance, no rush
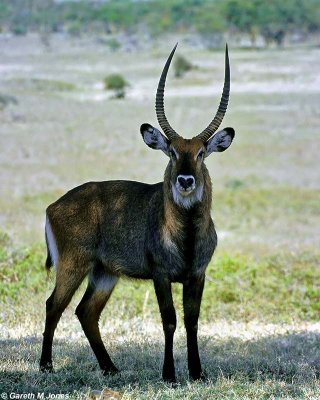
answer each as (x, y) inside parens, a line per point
(125, 258)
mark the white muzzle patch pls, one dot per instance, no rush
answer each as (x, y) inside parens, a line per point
(187, 198)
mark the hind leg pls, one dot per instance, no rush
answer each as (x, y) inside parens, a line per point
(68, 279)
(89, 310)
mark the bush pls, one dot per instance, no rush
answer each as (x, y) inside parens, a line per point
(6, 99)
(113, 44)
(117, 83)
(19, 30)
(181, 66)
(74, 29)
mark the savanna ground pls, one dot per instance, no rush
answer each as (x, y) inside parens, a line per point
(259, 332)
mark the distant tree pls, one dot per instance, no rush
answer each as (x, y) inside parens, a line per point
(272, 19)
(20, 22)
(5, 14)
(242, 15)
(311, 15)
(210, 23)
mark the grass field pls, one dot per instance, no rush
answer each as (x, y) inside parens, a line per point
(259, 331)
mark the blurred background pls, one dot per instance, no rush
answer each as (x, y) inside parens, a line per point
(77, 79)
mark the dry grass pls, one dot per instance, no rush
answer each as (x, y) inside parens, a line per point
(241, 360)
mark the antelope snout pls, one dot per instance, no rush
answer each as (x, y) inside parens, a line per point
(185, 183)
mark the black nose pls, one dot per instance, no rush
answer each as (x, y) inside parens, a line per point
(186, 181)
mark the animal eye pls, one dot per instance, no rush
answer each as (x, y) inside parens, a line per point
(173, 154)
(200, 154)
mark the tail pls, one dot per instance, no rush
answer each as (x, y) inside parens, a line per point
(49, 262)
(52, 251)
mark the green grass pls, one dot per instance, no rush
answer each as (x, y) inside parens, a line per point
(282, 287)
(269, 214)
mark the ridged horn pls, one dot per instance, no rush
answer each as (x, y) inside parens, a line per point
(161, 116)
(215, 123)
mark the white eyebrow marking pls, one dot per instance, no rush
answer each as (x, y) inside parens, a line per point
(199, 153)
(175, 152)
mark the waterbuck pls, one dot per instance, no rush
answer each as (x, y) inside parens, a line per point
(162, 232)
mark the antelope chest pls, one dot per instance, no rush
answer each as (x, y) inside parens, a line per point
(186, 254)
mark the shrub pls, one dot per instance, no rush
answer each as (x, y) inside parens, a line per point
(117, 83)
(6, 99)
(181, 66)
(74, 29)
(19, 30)
(113, 44)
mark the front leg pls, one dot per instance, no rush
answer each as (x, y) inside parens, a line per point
(192, 294)
(169, 321)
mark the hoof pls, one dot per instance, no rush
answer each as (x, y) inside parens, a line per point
(47, 367)
(198, 376)
(172, 384)
(170, 379)
(110, 370)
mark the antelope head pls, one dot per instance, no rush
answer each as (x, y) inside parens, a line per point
(186, 170)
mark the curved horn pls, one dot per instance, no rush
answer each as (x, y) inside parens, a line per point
(214, 124)
(161, 116)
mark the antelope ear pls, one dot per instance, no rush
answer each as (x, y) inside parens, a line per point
(220, 141)
(154, 138)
